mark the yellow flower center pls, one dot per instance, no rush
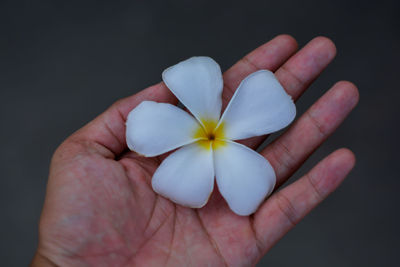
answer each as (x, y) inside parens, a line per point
(209, 135)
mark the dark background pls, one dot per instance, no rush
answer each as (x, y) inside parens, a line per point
(62, 63)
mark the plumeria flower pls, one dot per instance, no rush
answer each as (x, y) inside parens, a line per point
(205, 143)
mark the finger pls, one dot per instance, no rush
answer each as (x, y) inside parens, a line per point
(289, 151)
(269, 56)
(287, 207)
(301, 70)
(108, 129)
(306, 65)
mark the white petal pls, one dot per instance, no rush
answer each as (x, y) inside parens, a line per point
(197, 83)
(155, 128)
(244, 177)
(259, 106)
(186, 177)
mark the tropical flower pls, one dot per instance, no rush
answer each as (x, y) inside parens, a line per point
(259, 106)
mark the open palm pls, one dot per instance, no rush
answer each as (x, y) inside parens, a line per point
(100, 209)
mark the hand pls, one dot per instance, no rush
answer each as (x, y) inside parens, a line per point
(100, 209)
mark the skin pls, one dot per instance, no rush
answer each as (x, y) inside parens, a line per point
(100, 209)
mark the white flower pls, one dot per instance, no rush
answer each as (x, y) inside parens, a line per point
(259, 106)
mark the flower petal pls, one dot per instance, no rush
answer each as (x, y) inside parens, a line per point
(197, 83)
(259, 106)
(186, 176)
(244, 177)
(155, 128)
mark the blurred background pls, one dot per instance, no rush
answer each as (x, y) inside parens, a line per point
(62, 63)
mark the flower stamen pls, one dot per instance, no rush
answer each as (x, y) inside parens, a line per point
(209, 135)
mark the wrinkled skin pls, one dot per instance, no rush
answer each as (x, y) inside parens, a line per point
(100, 209)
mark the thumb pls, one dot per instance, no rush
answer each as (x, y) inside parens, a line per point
(108, 129)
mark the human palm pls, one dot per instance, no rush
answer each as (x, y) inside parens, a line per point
(100, 209)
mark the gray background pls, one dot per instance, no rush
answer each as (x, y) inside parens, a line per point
(62, 63)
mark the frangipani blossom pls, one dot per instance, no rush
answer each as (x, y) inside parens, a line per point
(205, 143)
